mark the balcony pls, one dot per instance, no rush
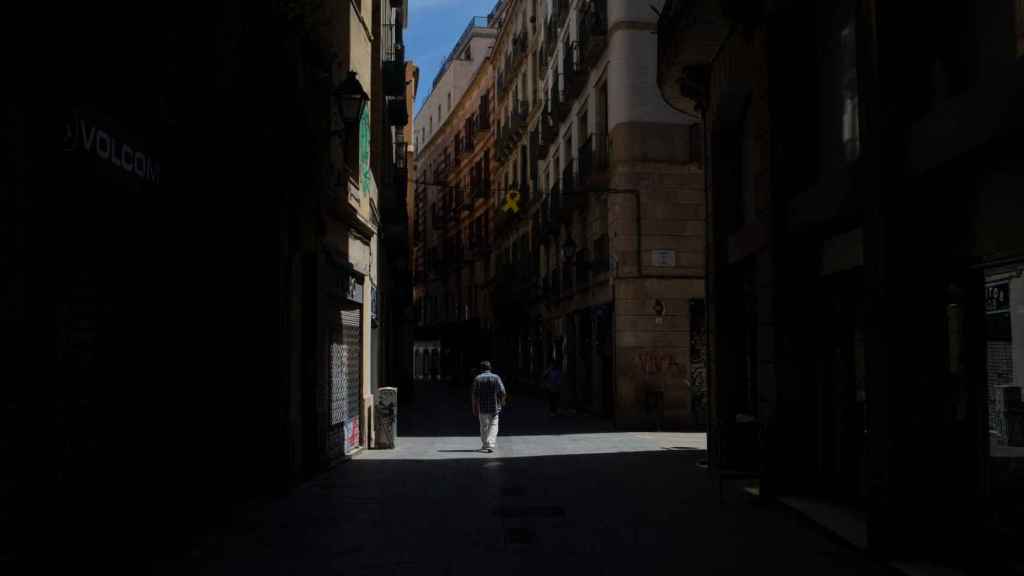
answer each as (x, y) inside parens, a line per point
(393, 72)
(574, 75)
(480, 247)
(582, 270)
(560, 11)
(555, 109)
(520, 49)
(477, 190)
(397, 112)
(593, 164)
(550, 40)
(500, 142)
(504, 219)
(690, 33)
(524, 197)
(552, 206)
(520, 116)
(440, 217)
(601, 262)
(570, 199)
(482, 122)
(548, 133)
(592, 31)
(458, 255)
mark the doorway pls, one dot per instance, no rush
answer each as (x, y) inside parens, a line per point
(842, 395)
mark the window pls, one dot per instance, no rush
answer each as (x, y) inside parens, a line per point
(849, 91)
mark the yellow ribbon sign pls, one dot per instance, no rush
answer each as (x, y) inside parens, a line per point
(511, 202)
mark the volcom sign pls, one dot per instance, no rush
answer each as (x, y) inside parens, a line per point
(86, 135)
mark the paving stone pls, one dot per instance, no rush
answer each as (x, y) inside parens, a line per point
(567, 494)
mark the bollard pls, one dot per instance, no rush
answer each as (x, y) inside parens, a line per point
(387, 417)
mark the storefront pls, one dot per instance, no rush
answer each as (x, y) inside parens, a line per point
(344, 306)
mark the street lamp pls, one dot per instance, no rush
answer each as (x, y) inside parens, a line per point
(350, 98)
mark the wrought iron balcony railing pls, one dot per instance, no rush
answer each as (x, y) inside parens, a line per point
(593, 163)
(567, 278)
(561, 11)
(393, 70)
(569, 197)
(574, 75)
(592, 31)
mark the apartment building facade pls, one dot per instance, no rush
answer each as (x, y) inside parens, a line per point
(192, 301)
(865, 264)
(453, 210)
(599, 207)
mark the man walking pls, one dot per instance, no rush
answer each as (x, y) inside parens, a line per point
(553, 384)
(488, 396)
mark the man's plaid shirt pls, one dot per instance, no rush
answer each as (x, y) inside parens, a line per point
(487, 387)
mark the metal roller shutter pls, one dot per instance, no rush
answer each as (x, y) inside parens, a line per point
(346, 359)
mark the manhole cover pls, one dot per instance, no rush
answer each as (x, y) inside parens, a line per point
(529, 511)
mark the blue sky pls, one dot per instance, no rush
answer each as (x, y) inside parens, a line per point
(434, 27)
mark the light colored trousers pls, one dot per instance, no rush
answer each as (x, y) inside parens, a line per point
(488, 429)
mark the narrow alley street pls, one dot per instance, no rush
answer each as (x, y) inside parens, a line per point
(565, 495)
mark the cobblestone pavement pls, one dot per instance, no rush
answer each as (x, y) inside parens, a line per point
(563, 495)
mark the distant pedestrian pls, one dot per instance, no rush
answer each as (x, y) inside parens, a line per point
(553, 384)
(488, 397)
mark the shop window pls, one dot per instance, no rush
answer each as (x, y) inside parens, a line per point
(1004, 319)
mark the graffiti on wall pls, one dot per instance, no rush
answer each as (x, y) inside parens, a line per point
(659, 363)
